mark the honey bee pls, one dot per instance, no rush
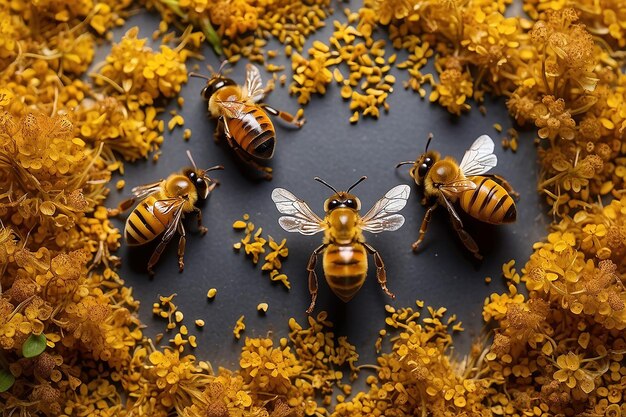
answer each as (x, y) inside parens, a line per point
(242, 119)
(162, 208)
(344, 247)
(444, 183)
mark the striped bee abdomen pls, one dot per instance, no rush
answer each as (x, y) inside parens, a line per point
(345, 268)
(254, 132)
(489, 202)
(142, 225)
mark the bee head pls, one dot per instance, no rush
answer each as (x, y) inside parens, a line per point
(214, 84)
(341, 198)
(199, 178)
(422, 164)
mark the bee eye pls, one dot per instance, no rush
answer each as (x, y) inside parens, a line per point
(333, 204)
(351, 203)
(192, 176)
(206, 93)
(425, 166)
(200, 185)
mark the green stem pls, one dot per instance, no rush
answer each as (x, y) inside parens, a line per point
(211, 35)
(173, 6)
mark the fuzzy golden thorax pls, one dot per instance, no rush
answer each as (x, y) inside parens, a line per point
(224, 94)
(191, 183)
(218, 89)
(342, 215)
(443, 171)
(179, 185)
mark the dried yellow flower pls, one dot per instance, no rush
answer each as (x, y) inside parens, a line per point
(239, 327)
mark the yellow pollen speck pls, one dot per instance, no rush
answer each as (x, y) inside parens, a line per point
(239, 224)
(178, 316)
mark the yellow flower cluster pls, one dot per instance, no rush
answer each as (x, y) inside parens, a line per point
(68, 325)
(83, 315)
(564, 269)
(159, 382)
(239, 27)
(605, 17)
(368, 84)
(268, 369)
(310, 76)
(133, 76)
(139, 74)
(454, 87)
(275, 380)
(9, 35)
(561, 350)
(51, 178)
(417, 377)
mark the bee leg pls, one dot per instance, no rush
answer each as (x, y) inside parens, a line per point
(287, 117)
(505, 184)
(214, 183)
(424, 226)
(313, 277)
(157, 254)
(181, 246)
(267, 171)
(219, 131)
(202, 229)
(122, 207)
(465, 237)
(381, 274)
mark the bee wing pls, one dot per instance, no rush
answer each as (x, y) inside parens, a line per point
(253, 89)
(380, 218)
(171, 205)
(233, 109)
(458, 186)
(168, 205)
(299, 216)
(479, 158)
(142, 191)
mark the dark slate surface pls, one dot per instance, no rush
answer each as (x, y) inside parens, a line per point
(442, 274)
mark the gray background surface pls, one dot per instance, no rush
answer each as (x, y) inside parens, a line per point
(442, 274)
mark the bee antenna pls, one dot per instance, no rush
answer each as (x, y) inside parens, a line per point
(360, 180)
(222, 65)
(430, 137)
(195, 74)
(404, 163)
(216, 167)
(318, 179)
(191, 159)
